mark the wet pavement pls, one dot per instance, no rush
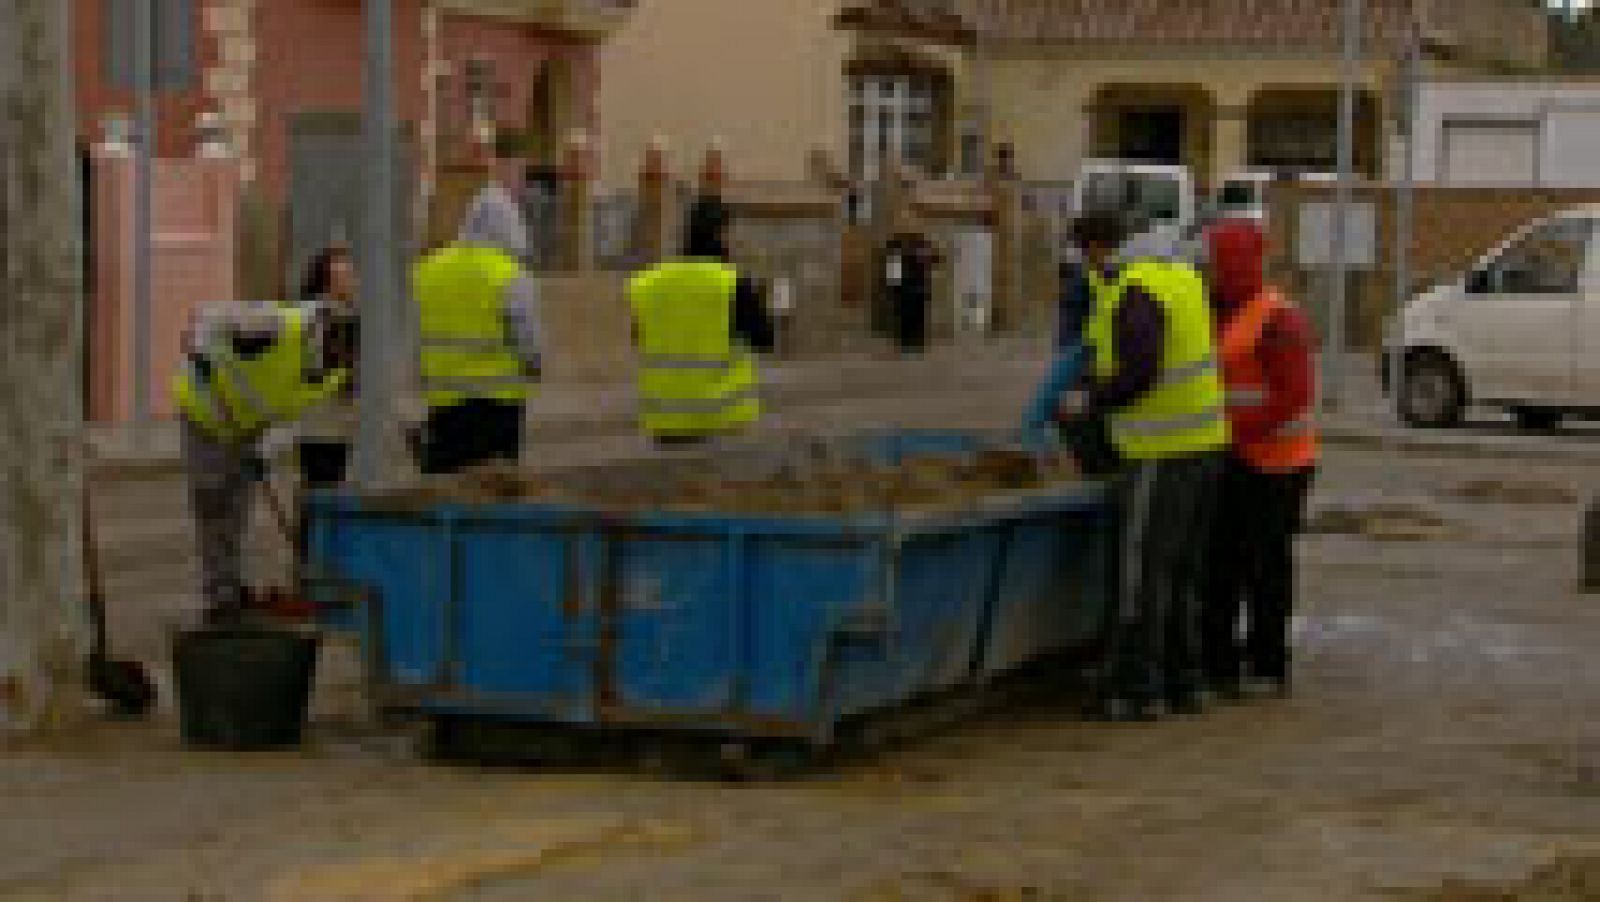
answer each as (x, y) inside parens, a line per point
(1442, 745)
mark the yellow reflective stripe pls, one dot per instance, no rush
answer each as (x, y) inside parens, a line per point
(685, 363)
(1148, 427)
(1188, 372)
(696, 405)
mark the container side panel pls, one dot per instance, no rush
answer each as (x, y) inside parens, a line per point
(406, 563)
(941, 592)
(518, 620)
(800, 641)
(1053, 594)
(675, 611)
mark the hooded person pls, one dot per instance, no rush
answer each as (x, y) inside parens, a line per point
(1151, 377)
(1268, 361)
(697, 321)
(479, 338)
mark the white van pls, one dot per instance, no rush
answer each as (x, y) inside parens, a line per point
(1243, 195)
(1162, 197)
(1520, 331)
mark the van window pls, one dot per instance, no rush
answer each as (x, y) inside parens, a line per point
(1238, 194)
(1549, 260)
(1149, 196)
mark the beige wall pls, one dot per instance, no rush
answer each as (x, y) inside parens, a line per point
(765, 75)
(1040, 103)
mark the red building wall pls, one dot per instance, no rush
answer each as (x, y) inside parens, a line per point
(309, 58)
(175, 111)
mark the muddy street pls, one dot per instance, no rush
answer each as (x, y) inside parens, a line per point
(1441, 745)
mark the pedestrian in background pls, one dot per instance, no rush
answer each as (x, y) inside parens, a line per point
(909, 263)
(1153, 376)
(1268, 360)
(328, 298)
(479, 338)
(697, 324)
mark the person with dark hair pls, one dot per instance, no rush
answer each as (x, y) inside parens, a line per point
(328, 297)
(697, 321)
(1153, 377)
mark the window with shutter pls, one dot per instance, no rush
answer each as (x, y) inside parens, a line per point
(173, 28)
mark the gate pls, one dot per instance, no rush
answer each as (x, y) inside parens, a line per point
(327, 188)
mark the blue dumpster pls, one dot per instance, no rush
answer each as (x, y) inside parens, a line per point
(753, 626)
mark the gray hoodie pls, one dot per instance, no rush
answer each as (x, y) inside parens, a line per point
(494, 220)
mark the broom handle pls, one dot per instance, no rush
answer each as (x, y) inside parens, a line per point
(91, 566)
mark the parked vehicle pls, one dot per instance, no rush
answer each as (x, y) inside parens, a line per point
(1520, 331)
(1242, 195)
(1161, 197)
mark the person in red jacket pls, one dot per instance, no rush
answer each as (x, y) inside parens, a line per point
(1268, 357)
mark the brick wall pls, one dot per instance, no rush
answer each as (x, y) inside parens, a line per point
(176, 112)
(1453, 228)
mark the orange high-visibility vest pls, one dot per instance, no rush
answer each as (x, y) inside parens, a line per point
(1293, 445)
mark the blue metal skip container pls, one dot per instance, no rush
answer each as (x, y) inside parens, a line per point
(754, 626)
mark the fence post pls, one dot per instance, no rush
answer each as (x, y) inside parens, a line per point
(577, 198)
(713, 170)
(653, 203)
(1005, 196)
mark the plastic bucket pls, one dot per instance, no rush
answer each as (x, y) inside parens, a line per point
(244, 688)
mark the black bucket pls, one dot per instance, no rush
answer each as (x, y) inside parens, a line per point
(244, 688)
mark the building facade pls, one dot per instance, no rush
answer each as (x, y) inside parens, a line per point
(761, 75)
(276, 78)
(1218, 85)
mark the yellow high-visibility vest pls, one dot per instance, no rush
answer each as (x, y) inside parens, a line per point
(693, 378)
(1186, 411)
(239, 398)
(465, 349)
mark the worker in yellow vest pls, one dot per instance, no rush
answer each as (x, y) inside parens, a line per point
(697, 323)
(478, 336)
(1155, 381)
(248, 367)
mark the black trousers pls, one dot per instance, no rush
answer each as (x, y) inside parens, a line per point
(911, 318)
(1250, 572)
(473, 432)
(1162, 507)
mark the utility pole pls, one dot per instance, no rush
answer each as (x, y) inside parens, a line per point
(43, 627)
(1333, 359)
(1405, 206)
(383, 297)
(144, 154)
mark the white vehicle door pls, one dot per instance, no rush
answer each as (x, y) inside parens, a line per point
(1518, 317)
(1586, 353)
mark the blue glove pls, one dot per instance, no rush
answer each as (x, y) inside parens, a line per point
(1041, 411)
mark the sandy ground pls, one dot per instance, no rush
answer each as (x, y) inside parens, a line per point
(1442, 745)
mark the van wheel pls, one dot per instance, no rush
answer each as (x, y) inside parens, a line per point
(1432, 395)
(1537, 419)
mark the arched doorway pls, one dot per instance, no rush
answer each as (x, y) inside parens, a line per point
(1153, 123)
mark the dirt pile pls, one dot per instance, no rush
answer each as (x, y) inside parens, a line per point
(815, 486)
